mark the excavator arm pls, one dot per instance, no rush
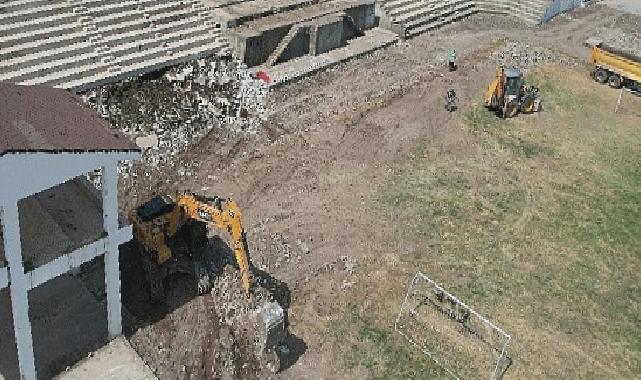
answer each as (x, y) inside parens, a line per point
(490, 94)
(222, 213)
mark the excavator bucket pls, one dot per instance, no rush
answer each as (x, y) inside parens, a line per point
(270, 327)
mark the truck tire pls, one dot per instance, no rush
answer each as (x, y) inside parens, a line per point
(601, 75)
(615, 81)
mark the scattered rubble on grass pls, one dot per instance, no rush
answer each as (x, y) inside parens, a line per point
(523, 56)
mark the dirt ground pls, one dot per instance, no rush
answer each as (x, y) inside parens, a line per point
(630, 6)
(331, 140)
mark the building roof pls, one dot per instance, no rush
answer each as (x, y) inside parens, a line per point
(45, 119)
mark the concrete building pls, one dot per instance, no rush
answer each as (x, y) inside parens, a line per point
(53, 219)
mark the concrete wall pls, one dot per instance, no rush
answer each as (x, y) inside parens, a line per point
(298, 46)
(529, 11)
(256, 49)
(329, 36)
(382, 15)
(413, 17)
(364, 16)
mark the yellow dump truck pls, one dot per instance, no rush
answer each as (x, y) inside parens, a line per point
(616, 68)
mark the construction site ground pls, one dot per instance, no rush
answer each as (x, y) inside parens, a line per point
(115, 361)
(360, 178)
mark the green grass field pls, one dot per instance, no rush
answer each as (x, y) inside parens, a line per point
(536, 224)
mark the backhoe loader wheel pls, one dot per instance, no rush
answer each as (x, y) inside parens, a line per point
(614, 81)
(511, 109)
(527, 105)
(601, 76)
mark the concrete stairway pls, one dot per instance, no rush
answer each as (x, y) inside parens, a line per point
(413, 17)
(283, 44)
(409, 18)
(292, 70)
(80, 43)
(529, 11)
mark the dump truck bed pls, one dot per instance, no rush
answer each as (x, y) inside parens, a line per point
(622, 63)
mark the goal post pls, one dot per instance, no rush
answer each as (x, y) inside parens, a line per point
(451, 333)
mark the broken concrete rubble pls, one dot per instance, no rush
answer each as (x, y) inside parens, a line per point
(167, 112)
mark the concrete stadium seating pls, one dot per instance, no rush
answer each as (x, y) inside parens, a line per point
(413, 17)
(530, 11)
(78, 44)
(81, 43)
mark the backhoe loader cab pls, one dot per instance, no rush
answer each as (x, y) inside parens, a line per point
(513, 82)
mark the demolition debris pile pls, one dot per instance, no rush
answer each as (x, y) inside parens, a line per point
(167, 112)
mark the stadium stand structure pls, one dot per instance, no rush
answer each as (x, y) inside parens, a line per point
(275, 31)
(80, 44)
(76, 44)
(413, 17)
(283, 40)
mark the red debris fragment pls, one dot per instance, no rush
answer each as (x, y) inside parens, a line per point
(263, 76)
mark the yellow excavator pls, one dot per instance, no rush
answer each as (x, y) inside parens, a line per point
(178, 261)
(172, 236)
(507, 95)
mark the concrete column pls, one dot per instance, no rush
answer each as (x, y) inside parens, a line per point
(19, 291)
(313, 40)
(112, 270)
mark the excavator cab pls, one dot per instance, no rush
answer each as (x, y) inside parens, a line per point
(156, 206)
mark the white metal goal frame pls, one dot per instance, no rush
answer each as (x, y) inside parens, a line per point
(459, 312)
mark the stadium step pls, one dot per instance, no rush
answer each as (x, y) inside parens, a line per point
(72, 43)
(413, 17)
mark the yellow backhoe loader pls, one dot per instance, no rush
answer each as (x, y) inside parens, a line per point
(507, 95)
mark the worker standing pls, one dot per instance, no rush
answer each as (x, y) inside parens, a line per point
(452, 60)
